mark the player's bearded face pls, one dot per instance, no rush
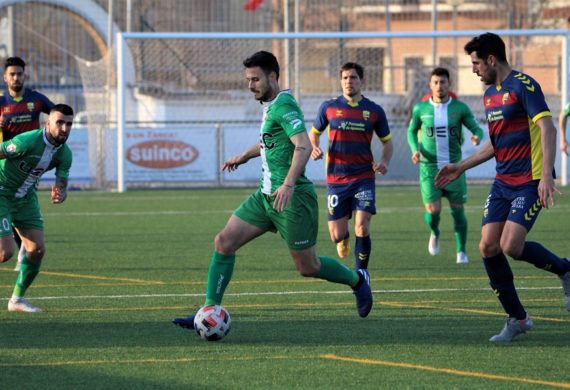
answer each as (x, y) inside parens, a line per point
(59, 127)
(259, 84)
(14, 78)
(439, 86)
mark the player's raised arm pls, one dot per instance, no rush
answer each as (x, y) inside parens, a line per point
(233, 162)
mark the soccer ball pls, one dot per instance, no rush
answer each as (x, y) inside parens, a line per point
(212, 322)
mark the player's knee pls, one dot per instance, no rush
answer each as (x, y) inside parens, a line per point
(361, 230)
(36, 253)
(489, 249)
(337, 236)
(222, 244)
(512, 249)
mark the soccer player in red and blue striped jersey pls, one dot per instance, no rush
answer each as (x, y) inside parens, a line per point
(20, 107)
(352, 120)
(20, 110)
(523, 143)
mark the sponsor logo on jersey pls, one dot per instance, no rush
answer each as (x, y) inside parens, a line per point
(161, 154)
(493, 116)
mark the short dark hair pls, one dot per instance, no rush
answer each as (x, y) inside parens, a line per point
(14, 61)
(439, 71)
(352, 65)
(487, 44)
(265, 60)
(63, 108)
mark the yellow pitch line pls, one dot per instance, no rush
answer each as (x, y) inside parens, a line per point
(463, 310)
(94, 277)
(144, 361)
(449, 371)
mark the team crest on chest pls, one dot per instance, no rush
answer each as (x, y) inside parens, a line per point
(487, 102)
(505, 98)
(31, 106)
(338, 113)
(366, 114)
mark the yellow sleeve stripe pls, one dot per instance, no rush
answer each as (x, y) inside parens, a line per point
(387, 138)
(543, 114)
(315, 131)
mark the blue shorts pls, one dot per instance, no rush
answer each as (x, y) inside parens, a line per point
(343, 199)
(518, 204)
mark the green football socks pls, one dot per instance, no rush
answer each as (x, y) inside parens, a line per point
(28, 272)
(336, 272)
(460, 228)
(432, 221)
(219, 275)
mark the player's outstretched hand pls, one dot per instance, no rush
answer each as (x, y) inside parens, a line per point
(58, 194)
(475, 140)
(233, 162)
(446, 175)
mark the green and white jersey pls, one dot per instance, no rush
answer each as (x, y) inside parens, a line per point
(27, 157)
(441, 135)
(282, 119)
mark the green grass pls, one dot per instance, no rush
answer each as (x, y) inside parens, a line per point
(120, 266)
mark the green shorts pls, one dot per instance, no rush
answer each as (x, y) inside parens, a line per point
(455, 192)
(298, 224)
(23, 213)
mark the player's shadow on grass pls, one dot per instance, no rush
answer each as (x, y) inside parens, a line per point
(402, 329)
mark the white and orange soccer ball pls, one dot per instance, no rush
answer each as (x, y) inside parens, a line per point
(212, 322)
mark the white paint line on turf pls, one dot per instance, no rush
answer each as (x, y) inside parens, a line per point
(275, 293)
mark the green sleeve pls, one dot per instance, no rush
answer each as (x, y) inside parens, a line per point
(64, 165)
(290, 117)
(471, 123)
(413, 128)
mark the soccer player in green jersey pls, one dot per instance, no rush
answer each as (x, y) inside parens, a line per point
(20, 110)
(439, 122)
(23, 160)
(563, 120)
(285, 201)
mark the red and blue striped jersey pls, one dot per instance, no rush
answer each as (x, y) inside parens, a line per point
(351, 127)
(22, 114)
(512, 110)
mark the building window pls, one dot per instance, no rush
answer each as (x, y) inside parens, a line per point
(413, 71)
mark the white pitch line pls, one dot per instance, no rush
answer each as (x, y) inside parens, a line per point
(415, 291)
(382, 210)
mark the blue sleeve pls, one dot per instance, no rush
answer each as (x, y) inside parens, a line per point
(531, 96)
(321, 122)
(381, 127)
